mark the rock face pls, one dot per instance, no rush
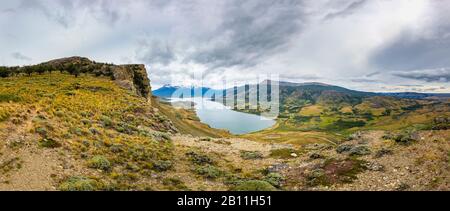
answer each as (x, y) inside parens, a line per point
(133, 76)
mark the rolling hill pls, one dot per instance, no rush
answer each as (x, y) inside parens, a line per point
(73, 124)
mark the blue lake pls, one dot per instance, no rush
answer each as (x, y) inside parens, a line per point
(219, 116)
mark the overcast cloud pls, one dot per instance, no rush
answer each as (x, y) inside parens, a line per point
(370, 45)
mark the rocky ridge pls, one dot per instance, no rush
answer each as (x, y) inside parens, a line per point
(131, 76)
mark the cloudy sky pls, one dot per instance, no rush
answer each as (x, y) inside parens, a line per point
(371, 45)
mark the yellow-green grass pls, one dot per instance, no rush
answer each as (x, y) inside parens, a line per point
(296, 138)
(313, 110)
(405, 121)
(105, 127)
(346, 109)
(87, 117)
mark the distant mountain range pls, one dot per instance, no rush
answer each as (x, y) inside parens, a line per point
(415, 95)
(312, 91)
(168, 91)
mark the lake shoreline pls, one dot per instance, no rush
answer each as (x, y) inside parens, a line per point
(220, 116)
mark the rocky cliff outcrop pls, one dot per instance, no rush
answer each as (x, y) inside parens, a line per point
(133, 76)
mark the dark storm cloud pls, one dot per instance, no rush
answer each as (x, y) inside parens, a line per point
(349, 10)
(20, 56)
(250, 31)
(347, 41)
(155, 52)
(428, 75)
(407, 53)
(427, 48)
(372, 74)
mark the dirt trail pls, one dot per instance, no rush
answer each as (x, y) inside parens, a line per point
(30, 167)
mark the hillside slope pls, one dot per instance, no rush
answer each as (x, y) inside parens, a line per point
(70, 124)
(63, 131)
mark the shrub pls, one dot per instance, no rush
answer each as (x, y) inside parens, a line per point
(405, 137)
(274, 179)
(9, 98)
(160, 136)
(344, 148)
(116, 148)
(412, 107)
(316, 177)
(388, 136)
(106, 121)
(86, 121)
(301, 119)
(382, 152)
(205, 139)
(162, 165)
(4, 72)
(360, 150)
(174, 184)
(208, 171)
(4, 115)
(100, 162)
(59, 113)
(79, 184)
(77, 131)
(199, 159)
(132, 167)
(251, 155)
(441, 123)
(125, 128)
(387, 112)
(94, 131)
(49, 143)
(254, 185)
(343, 124)
(335, 171)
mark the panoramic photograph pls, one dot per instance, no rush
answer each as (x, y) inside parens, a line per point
(224, 95)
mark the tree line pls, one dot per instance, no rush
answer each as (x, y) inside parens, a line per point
(73, 69)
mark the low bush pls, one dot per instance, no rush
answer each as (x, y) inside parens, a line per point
(274, 179)
(162, 165)
(99, 162)
(405, 137)
(175, 184)
(251, 155)
(49, 143)
(106, 121)
(360, 150)
(208, 171)
(254, 185)
(199, 159)
(9, 98)
(344, 124)
(79, 184)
